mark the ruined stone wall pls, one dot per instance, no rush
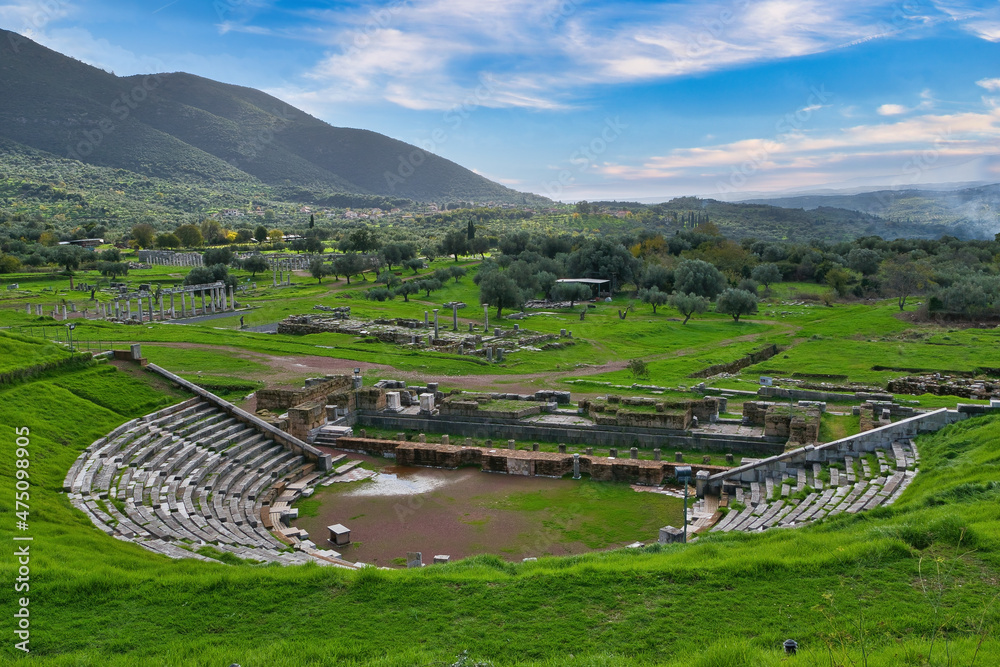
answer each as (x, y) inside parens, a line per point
(760, 355)
(277, 400)
(305, 417)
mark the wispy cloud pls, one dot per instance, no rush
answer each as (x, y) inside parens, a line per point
(425, 54)
(888, 149)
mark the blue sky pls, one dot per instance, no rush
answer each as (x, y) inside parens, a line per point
(575, 99)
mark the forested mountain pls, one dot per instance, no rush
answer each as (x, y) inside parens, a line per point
(183, 128)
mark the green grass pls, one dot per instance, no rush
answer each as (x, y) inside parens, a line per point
(894, 577)
(22, 352)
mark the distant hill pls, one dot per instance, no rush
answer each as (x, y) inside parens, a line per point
(184, 128)
(968, 212)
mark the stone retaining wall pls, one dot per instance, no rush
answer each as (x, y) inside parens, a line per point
(521, 462)
(598, 436)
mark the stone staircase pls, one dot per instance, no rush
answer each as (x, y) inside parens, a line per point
(857, 483)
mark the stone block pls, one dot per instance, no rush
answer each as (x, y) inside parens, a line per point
(670, 535)
(414, 559)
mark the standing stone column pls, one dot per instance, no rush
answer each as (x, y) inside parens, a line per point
(128, 309)
(576, 466)
(138, 303)
(274, 278)
(454, 317)
(28, 309)
(203, 311)
(486, 316)
(183, 308)
(212, 295)
(436, 330)
(232, 299)
(162, 317)
(173, 313)
(150, 301)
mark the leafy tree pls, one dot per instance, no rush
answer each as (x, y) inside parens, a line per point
(362, 239)
(480, 246)
(255, 264)
(455, 243)
(583, 208)
(348, 265)
(572, 292)
(9, 263)
(68, 256)
(189, 235)
(212, 232)
(603, 258)
(497, 289)
(167, 240)
(261, 232)
(200, 275)
(654, 297)
(110, 255)
(275, 236)
(244, 235)
(414, 263)
(457, 272)
(696, 276)
(736, 302)
(142, 234)
(113, 269)
(841, 280)
(546, 281)
(408, 288)
(688, 304)
(318, 268)
(902, 277)
(314, 245)
(657, 275)
(766, 274)
(379, 294)
(217, 256)
(429, 285)
(393, 254)
(748, 284)
(864, 261)
(470, 230)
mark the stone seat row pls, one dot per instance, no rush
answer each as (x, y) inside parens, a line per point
(187, 477)
(844, 492)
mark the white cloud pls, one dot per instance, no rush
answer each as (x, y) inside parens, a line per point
(80, 44)
(992, 85)
(891, 110)
(30, 16)
(903, 151)
(426, 54)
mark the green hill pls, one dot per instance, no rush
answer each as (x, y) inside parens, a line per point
(185, 128)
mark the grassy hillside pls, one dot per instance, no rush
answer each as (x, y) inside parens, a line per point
(184, 128)
(912, 584)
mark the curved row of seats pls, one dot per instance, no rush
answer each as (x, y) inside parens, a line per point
(770, 505)
(193, 476)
